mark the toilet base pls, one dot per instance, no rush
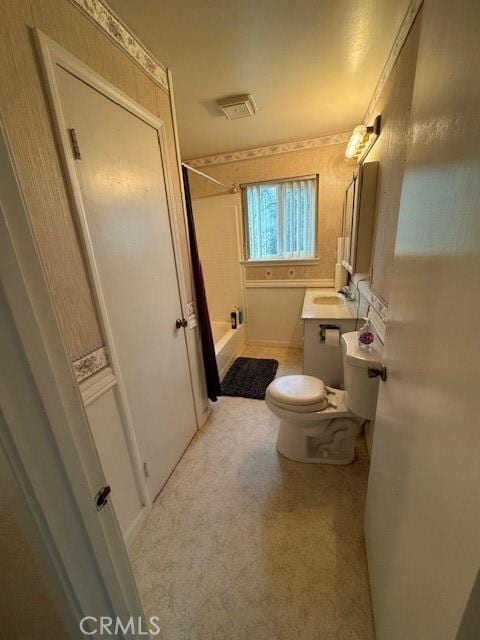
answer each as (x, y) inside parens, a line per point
(326, 442)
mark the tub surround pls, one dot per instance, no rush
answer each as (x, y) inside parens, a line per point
(218, 230)
(219, 329)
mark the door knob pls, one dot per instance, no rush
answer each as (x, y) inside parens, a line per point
(181, 322)
(374, 372)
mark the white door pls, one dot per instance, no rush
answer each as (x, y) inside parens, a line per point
(45, 437)
(423, 505)
(123, 191)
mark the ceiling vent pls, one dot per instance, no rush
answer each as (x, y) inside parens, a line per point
(235, 107)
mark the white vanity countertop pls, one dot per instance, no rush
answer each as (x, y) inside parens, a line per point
(312, 309)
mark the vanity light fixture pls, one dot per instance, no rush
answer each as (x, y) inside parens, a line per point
(362, 140)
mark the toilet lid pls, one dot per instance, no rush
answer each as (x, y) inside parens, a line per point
(299, 393)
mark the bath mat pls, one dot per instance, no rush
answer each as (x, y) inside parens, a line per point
(249, 378)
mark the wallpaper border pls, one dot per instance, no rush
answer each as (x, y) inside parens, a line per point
(105, 18)
(408, 20)
(271, 150)
(90, 363)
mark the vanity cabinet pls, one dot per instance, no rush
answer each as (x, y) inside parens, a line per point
(358, 218)
(321, 360)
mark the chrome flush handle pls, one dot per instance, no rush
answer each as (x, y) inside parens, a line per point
(375, 372)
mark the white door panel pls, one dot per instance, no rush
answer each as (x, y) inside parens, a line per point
(423, 505)
(126, 209)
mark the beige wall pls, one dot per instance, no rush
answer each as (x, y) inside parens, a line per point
(394, 105)
(333, 172)
(23, 107)
(274, 316)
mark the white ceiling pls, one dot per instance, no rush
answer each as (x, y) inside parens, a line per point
(312, 65)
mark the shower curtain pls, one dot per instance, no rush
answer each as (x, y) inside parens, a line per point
(208, 347)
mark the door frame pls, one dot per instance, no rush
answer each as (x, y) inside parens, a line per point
(53, 456)
(52, 54)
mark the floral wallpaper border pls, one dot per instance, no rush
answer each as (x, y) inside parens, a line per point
(106, 19)
(273, 149)
(90, 363)
(398, 43)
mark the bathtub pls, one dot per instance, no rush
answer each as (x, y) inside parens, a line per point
(229, 343)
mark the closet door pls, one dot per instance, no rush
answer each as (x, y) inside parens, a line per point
(121, 176)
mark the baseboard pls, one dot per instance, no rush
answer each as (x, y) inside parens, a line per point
(136, 526)
(204, 417)
(275, 343)
(368, 437)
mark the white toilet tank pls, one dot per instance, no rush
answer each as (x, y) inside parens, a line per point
(361, 391)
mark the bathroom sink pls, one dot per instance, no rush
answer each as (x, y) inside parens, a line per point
(327, 304)
(328, 300)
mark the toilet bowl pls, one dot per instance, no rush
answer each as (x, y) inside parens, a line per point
(318, 423)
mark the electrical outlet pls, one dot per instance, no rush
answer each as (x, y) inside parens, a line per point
(268, 274)
(291, 272)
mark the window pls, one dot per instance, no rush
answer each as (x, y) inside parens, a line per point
(280, 219)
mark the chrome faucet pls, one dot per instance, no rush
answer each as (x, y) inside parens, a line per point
(347, 293)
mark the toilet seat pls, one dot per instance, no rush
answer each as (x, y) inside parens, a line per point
(319, 424)
(299, 393)
(315, 422)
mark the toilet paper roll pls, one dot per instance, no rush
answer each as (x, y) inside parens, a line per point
(332, 337)
(341, 276)
(339, 249)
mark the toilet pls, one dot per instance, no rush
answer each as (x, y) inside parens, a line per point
(319, 423)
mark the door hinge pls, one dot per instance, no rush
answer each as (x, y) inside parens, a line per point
(146, 470)
(75, 148)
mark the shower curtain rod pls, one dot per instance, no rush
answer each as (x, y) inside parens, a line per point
(204, 175)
